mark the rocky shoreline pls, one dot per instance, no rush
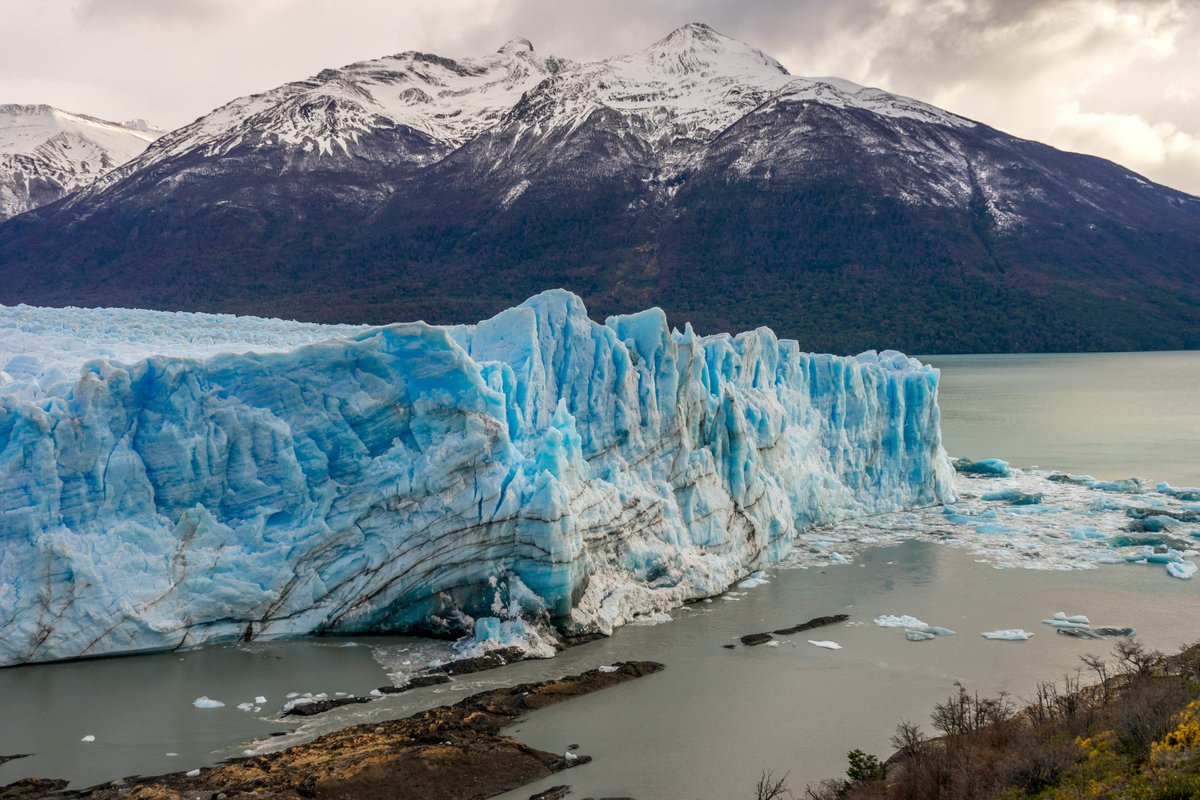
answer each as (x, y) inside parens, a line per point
(454, 752)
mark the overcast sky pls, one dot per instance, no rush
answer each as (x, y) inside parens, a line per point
(1116, 78)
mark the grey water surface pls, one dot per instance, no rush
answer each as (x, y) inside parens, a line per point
(1110, 415)
(716, 718)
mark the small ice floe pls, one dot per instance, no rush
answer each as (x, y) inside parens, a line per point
(989, 466)
(772, 643)
(824, 643)
(569, 756)
(260, 699)
(1184, 570)
(755, 579)
(1061, 620)
(899, 621)
(245, 706)
(290, 695)
(88, 738)
(204, 701)
(1186, 493)
(919, 636)
(375, 693)
(609, 668)
(1013, 497)
(1008, 635)
(192, 773)
(172, 755)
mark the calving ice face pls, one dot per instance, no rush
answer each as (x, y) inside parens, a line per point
(197, 483)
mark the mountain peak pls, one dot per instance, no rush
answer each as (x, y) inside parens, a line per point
(697, 47)
(516, 46)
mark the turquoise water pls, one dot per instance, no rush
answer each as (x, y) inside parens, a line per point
(1111, 415)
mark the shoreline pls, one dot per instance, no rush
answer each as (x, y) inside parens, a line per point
(454, 752)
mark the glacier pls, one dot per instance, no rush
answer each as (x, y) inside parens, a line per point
(170, 479)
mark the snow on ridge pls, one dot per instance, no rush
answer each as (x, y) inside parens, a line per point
(691, 84)
(46, 152)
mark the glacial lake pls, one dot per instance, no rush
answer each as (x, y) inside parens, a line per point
(716, 718)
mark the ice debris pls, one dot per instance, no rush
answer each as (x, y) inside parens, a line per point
(88, 738)
(828, 645)
(1184, 570)
(1008, 634)
(988, 466)
(204, 701)
(349, 480)
(899, 621)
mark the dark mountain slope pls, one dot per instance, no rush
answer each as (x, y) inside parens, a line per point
(696, 175)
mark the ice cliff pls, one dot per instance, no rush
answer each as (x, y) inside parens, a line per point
(420, 478)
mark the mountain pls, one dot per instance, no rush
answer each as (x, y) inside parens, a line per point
(696, 175)
(46, 153)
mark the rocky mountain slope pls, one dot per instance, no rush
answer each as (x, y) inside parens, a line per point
(697, 175)
(46, 153)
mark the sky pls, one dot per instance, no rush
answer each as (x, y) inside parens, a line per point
(1114, 78)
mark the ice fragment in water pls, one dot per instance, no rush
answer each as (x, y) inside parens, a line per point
(88, 738)
(988, 466)
(825, 643)
(918, 636)
(1184, 570)
(204, 701)
(1009, 634)
(901, 621)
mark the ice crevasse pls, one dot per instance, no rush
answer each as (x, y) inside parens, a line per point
(422, 478)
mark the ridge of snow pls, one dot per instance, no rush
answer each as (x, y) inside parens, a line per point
(46, 152)
(688, 86)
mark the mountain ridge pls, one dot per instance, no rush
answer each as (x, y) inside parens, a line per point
(695, 174)
(47, 153)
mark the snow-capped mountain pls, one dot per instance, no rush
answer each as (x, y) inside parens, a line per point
(46, 153)
(696, 174)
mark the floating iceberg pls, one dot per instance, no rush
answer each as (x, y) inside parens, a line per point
(301, 480)
(204, 701)
(828, 645)
(899, 621)
(988, 466)
(1009, 635)
(1184, 570)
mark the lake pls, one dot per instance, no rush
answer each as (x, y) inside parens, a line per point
(716, 718)
(1111, 415)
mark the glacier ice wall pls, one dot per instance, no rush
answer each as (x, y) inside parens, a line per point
(391, 479)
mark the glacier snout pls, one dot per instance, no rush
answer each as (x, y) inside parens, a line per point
(392, 478)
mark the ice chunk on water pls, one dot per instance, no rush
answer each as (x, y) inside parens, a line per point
(88, 738)
(1184, 570)
(1061, 620)
(1008, 634)
(1188, 493)
(919, 636)
(900, 621)
(828, 645)
(204, 701)
(988, 466)
(1014, 497)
